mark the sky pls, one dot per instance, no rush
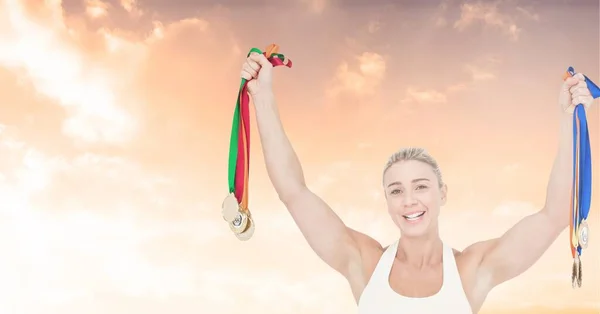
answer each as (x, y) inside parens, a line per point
(114, 133)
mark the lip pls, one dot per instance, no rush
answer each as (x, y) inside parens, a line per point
(416, 220)
(414, 212)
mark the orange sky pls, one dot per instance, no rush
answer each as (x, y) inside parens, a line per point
(114, 129)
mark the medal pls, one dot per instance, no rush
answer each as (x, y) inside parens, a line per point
(581, 192)
(583, 234)
(240, 223)
(230, 208)
(246, 235)
(235, 206)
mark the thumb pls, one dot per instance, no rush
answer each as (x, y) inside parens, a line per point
(260, 58)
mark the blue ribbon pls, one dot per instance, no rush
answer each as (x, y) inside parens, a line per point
(584, 193)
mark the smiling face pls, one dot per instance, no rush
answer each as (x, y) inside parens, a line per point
(414, 195)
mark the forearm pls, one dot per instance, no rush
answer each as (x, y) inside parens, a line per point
(558, 191)
(283, 166)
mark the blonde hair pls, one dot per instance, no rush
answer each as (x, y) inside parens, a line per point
(417, 154)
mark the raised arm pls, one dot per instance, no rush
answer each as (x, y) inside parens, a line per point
(336, 244)
(522, 245)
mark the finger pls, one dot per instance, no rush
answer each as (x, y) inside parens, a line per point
(569, 82)
(580, 91)
(579, 77)
(250, 70)
(580, 84)
(260, 58)
(253, 64)
(584, 100)
(245, 75)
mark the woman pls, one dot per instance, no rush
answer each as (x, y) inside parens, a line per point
(418, 273)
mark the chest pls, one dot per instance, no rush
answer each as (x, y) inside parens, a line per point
(416, 283)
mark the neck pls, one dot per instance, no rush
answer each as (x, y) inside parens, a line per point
(421, 251)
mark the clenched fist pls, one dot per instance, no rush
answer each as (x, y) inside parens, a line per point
(574, 91)
(258, 71)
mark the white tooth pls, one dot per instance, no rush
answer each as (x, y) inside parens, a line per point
(415, 215)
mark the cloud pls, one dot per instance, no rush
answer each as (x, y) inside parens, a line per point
(85, 89)
(481, 69)
(529, 14)
(96, 8)
(438, 18)
(479, 74)
(488, 14)
(365, 80)
(514, 209)
(131, 6)
(88, 224)
(316, 6)
(329, 176)
(423, 96)
(373, 27)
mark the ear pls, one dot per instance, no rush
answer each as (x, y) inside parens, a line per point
(444, 194)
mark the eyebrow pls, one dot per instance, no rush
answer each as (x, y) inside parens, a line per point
(413, 181)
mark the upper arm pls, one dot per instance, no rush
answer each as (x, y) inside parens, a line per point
(516, 250)
(336, 244)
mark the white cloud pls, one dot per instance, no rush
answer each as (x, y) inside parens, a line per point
(528, 13)
(515, 209)
(489, 14)
(68, 249)
(479, 74)
(96, 8)
(85, 89)
(131, 6)
(373, 27)
(363, 81)
(421, 96)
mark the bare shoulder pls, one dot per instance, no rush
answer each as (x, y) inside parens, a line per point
(370, 251)
(363, 265)
(475, 284)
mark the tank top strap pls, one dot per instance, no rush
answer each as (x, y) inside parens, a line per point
(384, 266)
(452, 279)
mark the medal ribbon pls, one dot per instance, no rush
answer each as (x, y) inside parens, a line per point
(581, 194)
(239, 144)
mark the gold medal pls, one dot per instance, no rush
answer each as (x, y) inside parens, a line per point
(247, 234)
(583, 234)
(240, 223)
(230, 208)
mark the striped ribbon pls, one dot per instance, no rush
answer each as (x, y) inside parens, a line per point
(581, 193)
(239, 144)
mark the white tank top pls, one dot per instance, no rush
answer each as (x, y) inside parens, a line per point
(378, 297)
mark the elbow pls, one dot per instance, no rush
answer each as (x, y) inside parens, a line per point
(559, 217)
(287, 194)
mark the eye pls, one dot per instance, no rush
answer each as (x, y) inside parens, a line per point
(421, 187)
(396, 191)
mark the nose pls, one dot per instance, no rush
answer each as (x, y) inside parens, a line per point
(409, 199)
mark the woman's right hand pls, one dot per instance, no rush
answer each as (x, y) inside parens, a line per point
(258, 71)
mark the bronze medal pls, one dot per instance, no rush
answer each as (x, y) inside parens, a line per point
(230, 208)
